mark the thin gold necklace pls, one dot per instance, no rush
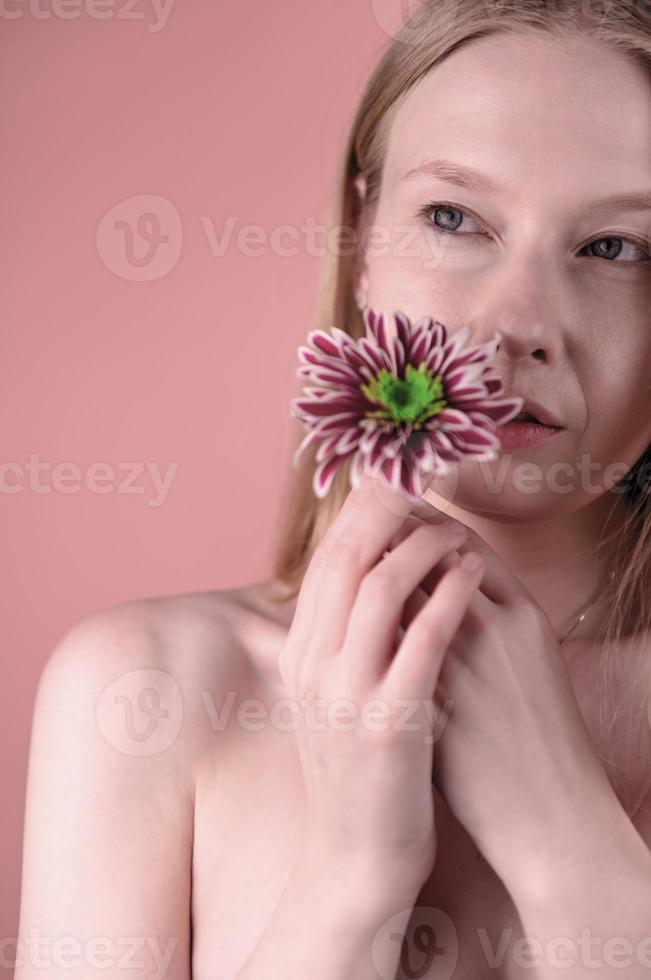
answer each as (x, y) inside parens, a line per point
(582, 615)
(588, 607)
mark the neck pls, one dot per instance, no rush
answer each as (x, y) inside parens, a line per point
(562, 561)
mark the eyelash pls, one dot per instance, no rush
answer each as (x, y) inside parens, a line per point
(427, 210)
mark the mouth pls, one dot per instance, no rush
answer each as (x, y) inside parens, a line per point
(535, 413)
(525, 431)
(527, 417)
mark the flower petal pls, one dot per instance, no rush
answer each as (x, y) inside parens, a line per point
(376, 326)
(323, 406)
(335, 423)
(357, 469)
(370, 438)
(452, 418)
(324, 474)
(456, 341)
(328, 376)
(390, 472)
(307, 441)
(410, 481)
(403, 328)
(324, 342)
(500, 410)
(348, 441)
(393, 446)
(326, 448)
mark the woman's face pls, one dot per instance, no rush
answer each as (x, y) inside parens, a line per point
(535, 254)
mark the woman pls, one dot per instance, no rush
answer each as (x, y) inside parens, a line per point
(179, 817)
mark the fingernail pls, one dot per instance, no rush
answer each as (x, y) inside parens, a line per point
(471, 562)
(455, 527)
(459, 531)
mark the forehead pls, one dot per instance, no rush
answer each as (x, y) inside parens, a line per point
(528, 107)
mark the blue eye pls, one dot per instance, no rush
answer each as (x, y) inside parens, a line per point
(613, 248)
(448, 219)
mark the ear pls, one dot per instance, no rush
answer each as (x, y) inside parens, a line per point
(361, 278)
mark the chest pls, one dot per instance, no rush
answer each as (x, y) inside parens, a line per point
(249, 813)
(248, 819)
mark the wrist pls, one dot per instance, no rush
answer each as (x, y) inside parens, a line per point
(601, 853)
(368, 887)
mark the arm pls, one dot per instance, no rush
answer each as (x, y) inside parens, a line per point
(592, 904)
(332, 923)
(107, 847)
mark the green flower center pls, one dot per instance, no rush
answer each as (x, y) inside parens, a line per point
(413, 400)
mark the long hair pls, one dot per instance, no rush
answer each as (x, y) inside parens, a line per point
(438, 28)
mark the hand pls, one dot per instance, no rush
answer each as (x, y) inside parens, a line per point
(369, 784)
(514, 759)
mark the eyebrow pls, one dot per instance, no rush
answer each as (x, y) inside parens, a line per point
(470, 179)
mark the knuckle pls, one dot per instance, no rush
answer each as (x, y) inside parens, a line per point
(426, 631)
(427, 533)
(318, 560)
(344, 555)
(379, 584)
(335, 554)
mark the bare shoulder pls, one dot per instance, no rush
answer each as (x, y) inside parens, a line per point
(149, 664)
(119, 727)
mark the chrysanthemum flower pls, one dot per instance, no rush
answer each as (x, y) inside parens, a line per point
(402, 408)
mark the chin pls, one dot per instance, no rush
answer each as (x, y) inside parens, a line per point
(489, 489)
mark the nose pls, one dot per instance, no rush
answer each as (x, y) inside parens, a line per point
(522, 301)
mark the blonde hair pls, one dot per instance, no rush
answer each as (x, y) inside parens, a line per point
(436, 30)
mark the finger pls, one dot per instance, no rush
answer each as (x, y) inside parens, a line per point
(484, 602)
(415, 668)
(309, 592)
(378, 608)
(354, 547)
(479, 603)
(499, 583)
(410, 524)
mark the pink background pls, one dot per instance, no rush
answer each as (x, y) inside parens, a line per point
(229, 109)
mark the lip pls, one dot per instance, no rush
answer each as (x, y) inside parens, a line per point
(533, 407)
(522, 435)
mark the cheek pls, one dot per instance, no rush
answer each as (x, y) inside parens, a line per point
(405, 271)
(398, 283)
(618, 427)
(612, 313)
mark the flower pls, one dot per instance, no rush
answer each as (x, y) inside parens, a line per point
(401, 408)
